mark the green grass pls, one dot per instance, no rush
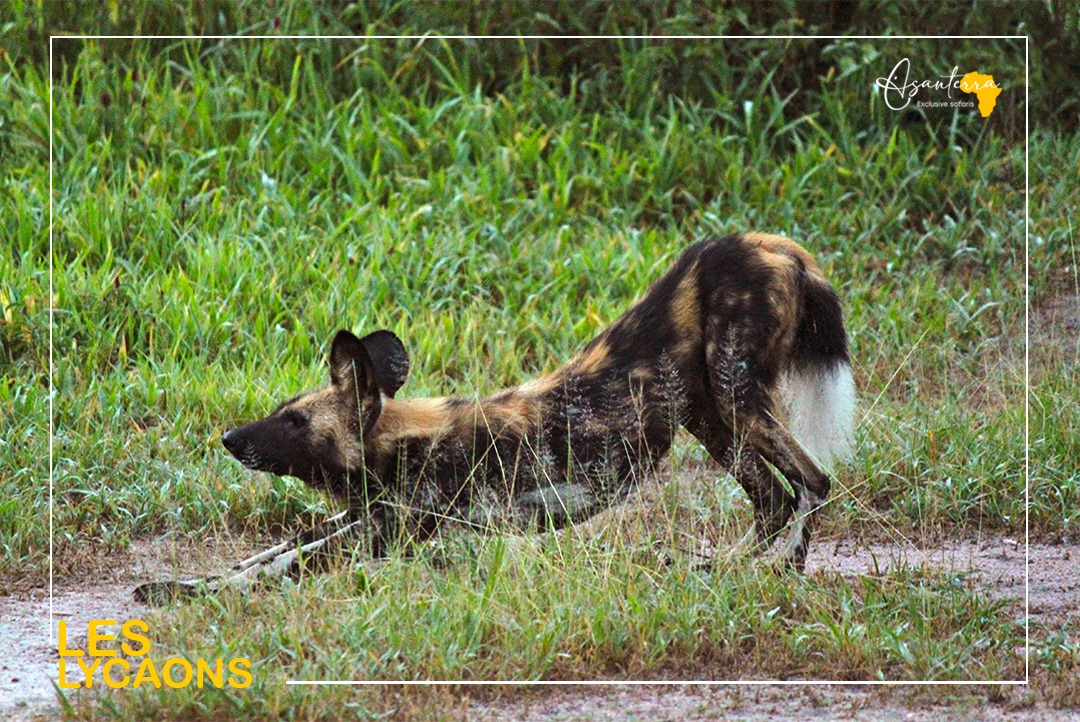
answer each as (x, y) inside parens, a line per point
(220, 209)
(574, 610)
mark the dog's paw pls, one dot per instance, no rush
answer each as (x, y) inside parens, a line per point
(157, 594)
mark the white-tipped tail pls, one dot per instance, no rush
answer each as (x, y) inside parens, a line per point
(820, 405)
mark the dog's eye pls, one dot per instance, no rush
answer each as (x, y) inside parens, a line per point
(297, 418)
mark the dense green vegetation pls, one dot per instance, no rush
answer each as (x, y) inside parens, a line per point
(220, 207)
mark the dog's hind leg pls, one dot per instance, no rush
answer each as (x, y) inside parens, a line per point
(742, 376)
(772, 503)
(810, 484)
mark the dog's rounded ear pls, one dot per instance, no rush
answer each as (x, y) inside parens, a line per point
(350, 364)
(389, 360)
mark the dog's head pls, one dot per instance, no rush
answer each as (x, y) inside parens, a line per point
(318, 437)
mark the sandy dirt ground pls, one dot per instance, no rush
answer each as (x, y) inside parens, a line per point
(995, 564)
(762, 703)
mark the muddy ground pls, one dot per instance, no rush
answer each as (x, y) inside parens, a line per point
(995, 564)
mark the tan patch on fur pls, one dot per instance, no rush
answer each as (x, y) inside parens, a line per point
(322, 408)
(413, 418)
(784, 296)
(510, 413)
(325, 417)
(593, 360)
(686, 314)
(783, 256)
(432, 418)
(540, 386)
(786, 308)
(779, 247)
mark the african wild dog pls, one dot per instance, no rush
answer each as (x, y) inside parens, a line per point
(741, 342)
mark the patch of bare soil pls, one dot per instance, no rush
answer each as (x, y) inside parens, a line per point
(1057, 321)
(29, 668)
(994, 564)
(30, 663)
(666, 703)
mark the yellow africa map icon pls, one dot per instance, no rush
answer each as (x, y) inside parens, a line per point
(985, 90)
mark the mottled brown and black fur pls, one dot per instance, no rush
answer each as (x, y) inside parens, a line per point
(726, 344)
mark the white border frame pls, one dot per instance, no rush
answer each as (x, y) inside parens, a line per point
(609, 683)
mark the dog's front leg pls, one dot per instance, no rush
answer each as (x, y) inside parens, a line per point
(308, 551)
(318, 531)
